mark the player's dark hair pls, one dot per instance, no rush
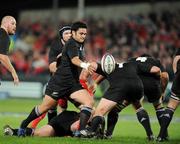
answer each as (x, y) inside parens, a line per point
(76, 25)
(145, 55)
(62, 30)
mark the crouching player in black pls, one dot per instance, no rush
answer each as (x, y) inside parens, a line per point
(174, 98)
(154, 89)
(125, 88)
(63, 124)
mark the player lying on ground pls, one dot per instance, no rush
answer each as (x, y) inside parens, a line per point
(64, 124)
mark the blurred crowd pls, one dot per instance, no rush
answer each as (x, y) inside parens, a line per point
(157, 34)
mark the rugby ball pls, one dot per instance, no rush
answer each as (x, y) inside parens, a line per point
(108, 63)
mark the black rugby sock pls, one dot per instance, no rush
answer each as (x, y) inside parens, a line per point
(15, 132)
(159, 114)
(84, 117)
(111, 121)
(96, 122)
(52, 113)
(33, 115)
(28, 131)
(143, 118)
(167, 117)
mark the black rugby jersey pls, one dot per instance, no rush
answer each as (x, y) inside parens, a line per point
(67, 70)
(125, 70)
(4, 42)
(151, 61)
(55, 50)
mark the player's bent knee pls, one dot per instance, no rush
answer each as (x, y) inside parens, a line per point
(43, 108)
(91, 103)
(101, 111)
(44, 131)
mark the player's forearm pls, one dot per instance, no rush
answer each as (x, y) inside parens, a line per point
(52, 67)
(7, 63)
(164, 80)
(90, 67)
(84, 75)
(76, 61)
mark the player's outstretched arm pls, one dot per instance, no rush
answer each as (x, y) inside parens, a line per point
(7, 64)
(164, 77)
(85, 65)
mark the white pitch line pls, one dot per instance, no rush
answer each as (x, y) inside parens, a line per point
(12, 114)
(153, 119)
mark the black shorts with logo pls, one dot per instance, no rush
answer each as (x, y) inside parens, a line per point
(152, 89)
(60, 90)
(130, 89)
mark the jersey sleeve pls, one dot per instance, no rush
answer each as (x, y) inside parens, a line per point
(99, 70)
(160, 66)
(54, 52)
(72, 50)
(144, 67)
(4, 43)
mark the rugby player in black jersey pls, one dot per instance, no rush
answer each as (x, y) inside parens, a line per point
(125, 88)
(8, 27)
(57, 46)
(54, 61)
(64, 124)
(154, 89)
(65, 81)
(174, 98)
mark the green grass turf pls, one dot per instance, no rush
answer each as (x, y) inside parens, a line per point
(127, 131)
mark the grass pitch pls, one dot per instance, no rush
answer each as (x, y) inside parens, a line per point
(127, 131)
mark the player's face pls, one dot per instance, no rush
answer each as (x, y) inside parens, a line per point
(66, 35)
(12, 27)
(80, 35)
